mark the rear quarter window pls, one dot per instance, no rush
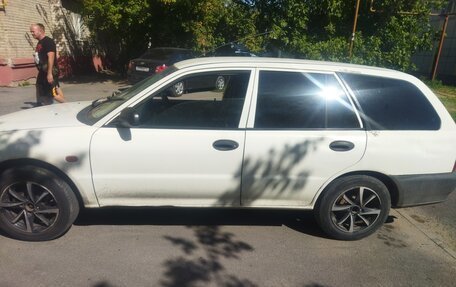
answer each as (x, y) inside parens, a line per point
(392, 104)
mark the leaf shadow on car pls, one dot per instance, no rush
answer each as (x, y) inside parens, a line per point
(13, 142)
(20, 143)
(276, 166)
(272, 175)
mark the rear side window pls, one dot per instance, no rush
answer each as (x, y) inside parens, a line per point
(296, 100)
(391, 104)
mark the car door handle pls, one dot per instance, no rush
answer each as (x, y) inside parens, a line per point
(225, 145)
(341, 145)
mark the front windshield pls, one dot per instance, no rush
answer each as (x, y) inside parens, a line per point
(103, 108)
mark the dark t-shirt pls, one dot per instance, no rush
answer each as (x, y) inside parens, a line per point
(42, 49)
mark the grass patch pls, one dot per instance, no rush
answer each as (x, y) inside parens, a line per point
(450, 104)
(447, 94)
(24, 84)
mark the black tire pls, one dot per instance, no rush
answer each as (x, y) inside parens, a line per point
(353, 207)
(35, 204)
(178, 89)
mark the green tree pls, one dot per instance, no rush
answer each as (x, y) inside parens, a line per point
(113, 23)
(311, 29)
(320, 29)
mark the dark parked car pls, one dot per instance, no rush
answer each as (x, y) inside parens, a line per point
(232, 49)
(155, 60)
(209, 82)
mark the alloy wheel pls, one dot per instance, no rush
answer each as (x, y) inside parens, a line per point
(220, 83)
(29, 207)
(179, 88)
(356, 209)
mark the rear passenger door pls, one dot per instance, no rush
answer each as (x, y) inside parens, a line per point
(302, 131)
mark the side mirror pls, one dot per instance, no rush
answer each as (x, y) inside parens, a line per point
(128, 118)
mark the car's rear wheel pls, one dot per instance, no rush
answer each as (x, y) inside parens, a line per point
(35, 204)
(353, 207)
(178, 89)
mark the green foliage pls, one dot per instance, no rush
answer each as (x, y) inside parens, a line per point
(435, 85)
(115, 26)
(311, 29)
(448, 100)
(446, 94)
(24, 84)
(385, 38)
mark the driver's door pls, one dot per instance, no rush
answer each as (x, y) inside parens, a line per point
(186, 151)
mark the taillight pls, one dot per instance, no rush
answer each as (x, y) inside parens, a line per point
(159, 69)
(130, 65)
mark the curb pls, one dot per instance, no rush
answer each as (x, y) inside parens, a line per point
(432, 236)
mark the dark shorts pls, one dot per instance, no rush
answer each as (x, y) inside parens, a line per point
(44, 92)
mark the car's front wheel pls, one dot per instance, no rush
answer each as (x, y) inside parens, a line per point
(353, 207)
(35, 204)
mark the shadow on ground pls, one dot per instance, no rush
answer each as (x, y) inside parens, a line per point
(301, 221)
(95, 78)
(204, 254)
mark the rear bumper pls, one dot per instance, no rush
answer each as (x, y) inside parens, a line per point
(423, 188)
(135, 77)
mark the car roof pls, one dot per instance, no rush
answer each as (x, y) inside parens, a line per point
(284, 63)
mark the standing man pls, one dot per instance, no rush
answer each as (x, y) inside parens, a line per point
(46, 63)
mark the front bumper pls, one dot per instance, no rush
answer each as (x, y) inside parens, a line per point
(423, 188)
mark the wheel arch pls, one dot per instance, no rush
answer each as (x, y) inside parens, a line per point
(386, 180)
(38, 163)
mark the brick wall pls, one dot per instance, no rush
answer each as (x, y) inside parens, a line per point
(16, 43)
(15, 21)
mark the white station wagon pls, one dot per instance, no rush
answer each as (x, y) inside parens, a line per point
(347, 141)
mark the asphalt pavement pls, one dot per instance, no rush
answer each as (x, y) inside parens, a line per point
(18, 98)
(224, 247)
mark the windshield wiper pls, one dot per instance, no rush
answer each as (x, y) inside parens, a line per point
(112, 97)
(99, 101)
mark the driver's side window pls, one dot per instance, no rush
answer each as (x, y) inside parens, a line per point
(203, 100)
